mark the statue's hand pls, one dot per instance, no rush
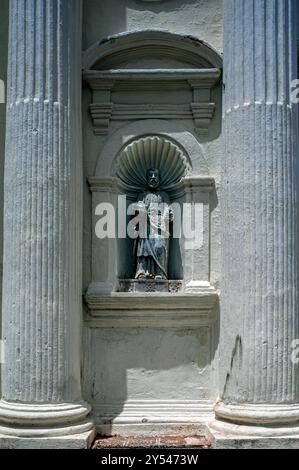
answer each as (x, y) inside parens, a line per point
(141, 207)
(168, 215)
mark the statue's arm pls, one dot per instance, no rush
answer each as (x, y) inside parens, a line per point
(140, 206)
(166, 200)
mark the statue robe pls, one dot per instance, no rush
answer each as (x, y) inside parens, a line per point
(152, 252)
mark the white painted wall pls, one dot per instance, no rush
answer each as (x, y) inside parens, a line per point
(201, 18)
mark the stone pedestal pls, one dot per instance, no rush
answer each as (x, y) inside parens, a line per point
(42, 403)
(259, 395)
(149, 285)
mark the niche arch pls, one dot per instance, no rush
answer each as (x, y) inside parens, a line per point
(178, 135)
(192, 183)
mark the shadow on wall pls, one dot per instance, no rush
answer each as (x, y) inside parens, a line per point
(144, 376)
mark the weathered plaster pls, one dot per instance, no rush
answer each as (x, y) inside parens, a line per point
(169, 380)
(201, 18)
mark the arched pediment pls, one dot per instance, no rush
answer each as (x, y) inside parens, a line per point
(141, 74)
(150, 49)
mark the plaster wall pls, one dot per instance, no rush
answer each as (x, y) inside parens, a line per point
(201, 18)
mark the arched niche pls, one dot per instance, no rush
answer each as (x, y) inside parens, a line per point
(177, 134)
(152, 152)
(121, 170)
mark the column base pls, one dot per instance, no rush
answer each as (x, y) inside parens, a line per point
(38, 426)
(224, 435)
(255, 426)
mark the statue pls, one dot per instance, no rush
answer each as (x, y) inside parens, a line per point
(151, 249)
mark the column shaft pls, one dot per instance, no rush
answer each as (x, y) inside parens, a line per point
(42, 304)
(259, 301)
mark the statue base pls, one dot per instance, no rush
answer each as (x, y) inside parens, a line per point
(149, 285)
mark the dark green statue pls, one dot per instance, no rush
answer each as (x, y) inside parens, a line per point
(151, 250)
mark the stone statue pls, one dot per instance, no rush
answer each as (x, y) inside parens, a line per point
(151, 249)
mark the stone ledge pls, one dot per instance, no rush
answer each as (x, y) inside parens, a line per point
(152, 309)
(149, 285)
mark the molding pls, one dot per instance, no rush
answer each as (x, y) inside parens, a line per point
(153, 417)
(199, 78)
(104, 185)
(156, 310)
(32, 420)
(199, 183)
(203, 114)
(102, 83)
(101, 114)
(127, 112)
(150, 285)
(276, 414)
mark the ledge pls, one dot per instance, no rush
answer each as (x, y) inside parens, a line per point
(156, 310)
(207, 77)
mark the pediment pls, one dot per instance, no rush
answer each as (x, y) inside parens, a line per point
(150, 49)
(151, 75)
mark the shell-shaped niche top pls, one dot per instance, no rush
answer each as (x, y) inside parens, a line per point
(152, 152)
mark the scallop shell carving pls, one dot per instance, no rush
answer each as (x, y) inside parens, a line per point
(152, 152)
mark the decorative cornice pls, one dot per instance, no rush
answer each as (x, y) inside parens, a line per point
(103, 110)
(103, 113)
(204, 78)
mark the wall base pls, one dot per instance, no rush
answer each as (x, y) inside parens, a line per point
(154, 419)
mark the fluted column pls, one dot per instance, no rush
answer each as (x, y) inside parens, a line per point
(260, 251)
(42, 309)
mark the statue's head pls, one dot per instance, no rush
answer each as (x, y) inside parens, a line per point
(153, 178)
